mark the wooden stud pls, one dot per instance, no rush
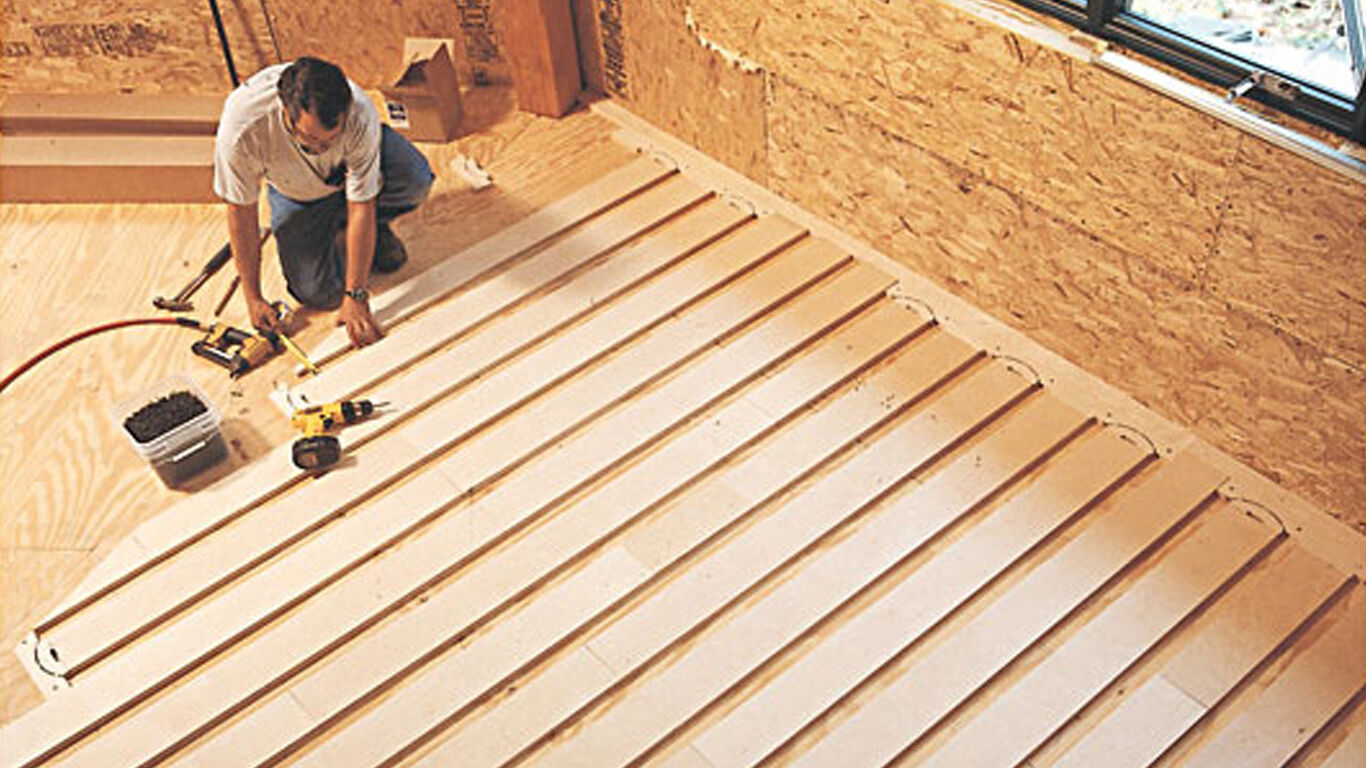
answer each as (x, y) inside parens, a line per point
(162, 114)
(543, 54)
(106, 169)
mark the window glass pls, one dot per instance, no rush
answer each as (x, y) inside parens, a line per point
(1306, 39)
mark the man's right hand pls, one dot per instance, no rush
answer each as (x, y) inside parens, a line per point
(262, 314)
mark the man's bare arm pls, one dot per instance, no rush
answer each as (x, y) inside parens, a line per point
(244, 234)
(360, 251)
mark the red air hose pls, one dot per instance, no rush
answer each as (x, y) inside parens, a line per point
(186, 322)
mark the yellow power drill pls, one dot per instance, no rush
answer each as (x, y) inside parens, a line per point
(317, 449)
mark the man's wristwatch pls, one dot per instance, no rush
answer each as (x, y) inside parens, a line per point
(359, 294)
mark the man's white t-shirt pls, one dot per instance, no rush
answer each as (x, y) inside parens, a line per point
(254, 142)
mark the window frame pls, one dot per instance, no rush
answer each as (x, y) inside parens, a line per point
(1110, 20)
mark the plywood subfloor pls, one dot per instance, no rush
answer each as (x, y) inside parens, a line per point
(666, 480)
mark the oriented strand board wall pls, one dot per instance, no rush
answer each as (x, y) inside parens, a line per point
(146, 46)
(366, 38)
(654, 62)
(1216, 278)
(154, 46)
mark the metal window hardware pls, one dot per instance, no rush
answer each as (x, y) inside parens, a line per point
(1268, 82)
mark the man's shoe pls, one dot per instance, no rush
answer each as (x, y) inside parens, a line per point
(390, 255)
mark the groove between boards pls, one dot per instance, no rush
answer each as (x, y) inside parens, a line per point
(163, 551)
(379, 484)
(582, 554)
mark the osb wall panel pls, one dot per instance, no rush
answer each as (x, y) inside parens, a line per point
(1236, 380)
(1291, 249)
(662, 72)
(1214, 277)
(1174, 186)
(152, 46)
(364, 38)
(1095, 149)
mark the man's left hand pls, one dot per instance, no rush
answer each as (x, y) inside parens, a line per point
(360, 324)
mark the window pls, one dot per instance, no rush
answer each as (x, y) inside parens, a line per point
(1304, 57)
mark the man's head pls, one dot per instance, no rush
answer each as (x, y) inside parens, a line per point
(316, 97)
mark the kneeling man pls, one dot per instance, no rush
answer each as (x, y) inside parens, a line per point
(336, 177)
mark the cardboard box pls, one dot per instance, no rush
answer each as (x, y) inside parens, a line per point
(423, 101)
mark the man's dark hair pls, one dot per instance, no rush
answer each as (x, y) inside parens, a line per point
(317, 87)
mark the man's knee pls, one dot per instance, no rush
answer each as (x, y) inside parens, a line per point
(408, 176)
(408, 186)
(326, 295)
(418, 186)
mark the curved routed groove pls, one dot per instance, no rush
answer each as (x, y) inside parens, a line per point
(915, 301)
(1022, 363)
(664, 158)
(1129, 429)
(1260, 507)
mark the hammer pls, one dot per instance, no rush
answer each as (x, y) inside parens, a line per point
(181, 301)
